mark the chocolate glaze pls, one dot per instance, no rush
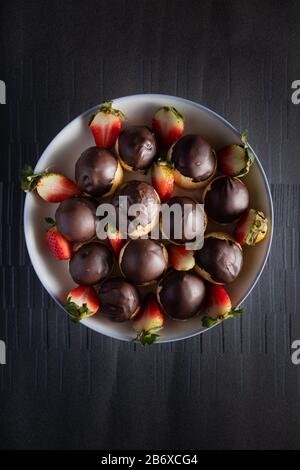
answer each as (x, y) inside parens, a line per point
(222, 259)
(137, 147)
(194, 157)
(119, 299)
(95, 171)
(181, 294)
(227, 199)
(76, 218)
(143, 261)
(190, 221)
(91, 263)
(138, 192)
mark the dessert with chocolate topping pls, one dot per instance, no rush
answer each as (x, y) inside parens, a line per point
(91, 263)
(194, 160)
(143, 194)
(181, 293)
(76, 218)
(98, 172)
(136, 148)
(225, 199)
(142, 261)
(221, 258)
(119, 300)
(193, 220)
(159, 272)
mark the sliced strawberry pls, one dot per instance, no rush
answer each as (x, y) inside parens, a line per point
(217, 306)
(149, 320)
(115, 238)
(235, 159)
(251, 228)
(52, 187)
(106, 124)
(168, 125)
(180, 258)
(82, 302)
(163, 179)
(59, 246)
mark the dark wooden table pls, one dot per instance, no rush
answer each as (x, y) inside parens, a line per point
(233, 387)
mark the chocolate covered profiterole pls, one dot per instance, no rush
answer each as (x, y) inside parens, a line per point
(180, 294)
(76, 218)
(221, 258)
(98, 172)
(119, 300)
(142, 261)
(142, 193)
(225, 199)
(91, 263)
(192, 220)
(194, 160)
(136, 148)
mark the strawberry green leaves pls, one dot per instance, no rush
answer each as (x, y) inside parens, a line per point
(236, 159)
(208, 322)
(82, 302)
(29, 179)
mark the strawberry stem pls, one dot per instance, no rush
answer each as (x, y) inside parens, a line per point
(208, 322)
(162, 162)
(177, 113)
(249, 154)
(148, 336)
(50, 221)
(77, 312)
(259, 225)
(234, 312)
(173, 110)
(244, 138)
(107, 107)
(29, 179)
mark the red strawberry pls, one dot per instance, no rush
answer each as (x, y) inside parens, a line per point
(59, 246)
(82, 302)
(180, 258)
(106, 125)
(149, 320)
(115, 238)
(163, 179)
(52, 187)
(235, 159)
(251, 228)
(217, 306)
(168, 125)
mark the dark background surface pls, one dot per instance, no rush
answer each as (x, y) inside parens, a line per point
(67, 387)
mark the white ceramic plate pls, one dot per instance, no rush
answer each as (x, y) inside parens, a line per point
(62, 154)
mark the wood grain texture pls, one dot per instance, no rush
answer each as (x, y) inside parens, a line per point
(65, 386)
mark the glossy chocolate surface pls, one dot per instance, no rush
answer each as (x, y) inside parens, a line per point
(91, 263)
(194, 157)
(137, 192)
(95, 171)
(142, 261)
(76, 218)
(182, 294)
(137, 147)
(191, 220)
(227, 199)
(119, 299)
(222, 259)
